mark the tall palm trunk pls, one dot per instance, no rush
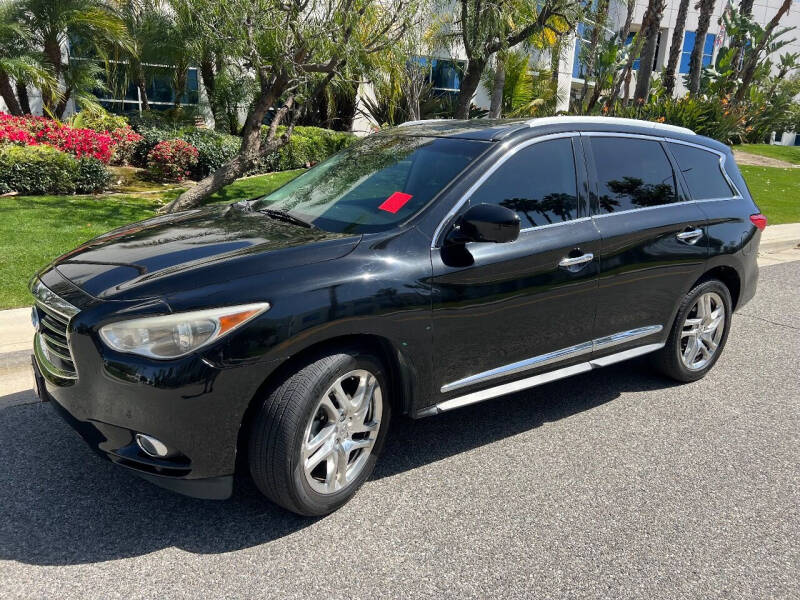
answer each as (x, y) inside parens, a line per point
(52, 57)
(623, 37)
(656, 10)
(600, 18)
(7, 93)
(696, 60)
(22, 94)
(498, 83)
(675, 47)
(749, 67)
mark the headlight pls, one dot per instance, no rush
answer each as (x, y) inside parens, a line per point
(171, 336)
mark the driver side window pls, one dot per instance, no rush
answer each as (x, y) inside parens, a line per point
(539, 183)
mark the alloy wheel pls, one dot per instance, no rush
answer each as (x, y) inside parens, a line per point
(342, 430)
(702, 331)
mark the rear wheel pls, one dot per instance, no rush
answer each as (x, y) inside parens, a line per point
(698, 334)
(317, 435)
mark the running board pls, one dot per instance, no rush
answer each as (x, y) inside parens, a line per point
(536, 380)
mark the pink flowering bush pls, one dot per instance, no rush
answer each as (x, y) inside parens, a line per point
(171, 160)
(125, 141)
(40, 131)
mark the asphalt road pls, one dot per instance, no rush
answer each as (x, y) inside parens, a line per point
(615, 484)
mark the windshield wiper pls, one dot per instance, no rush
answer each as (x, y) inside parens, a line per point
(282, 215)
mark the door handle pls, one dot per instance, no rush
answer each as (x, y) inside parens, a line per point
(691, 236)
(571, 261)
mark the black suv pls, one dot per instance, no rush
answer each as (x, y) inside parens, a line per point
(424, 268)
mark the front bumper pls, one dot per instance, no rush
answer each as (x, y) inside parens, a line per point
(197, 409)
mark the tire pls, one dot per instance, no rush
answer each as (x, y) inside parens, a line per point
(300, 408)
(671, 359)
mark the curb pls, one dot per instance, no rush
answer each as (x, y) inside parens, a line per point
(778, 245)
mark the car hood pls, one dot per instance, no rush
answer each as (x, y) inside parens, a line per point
(132, 261)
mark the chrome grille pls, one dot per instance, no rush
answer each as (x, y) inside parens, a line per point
(51, 344)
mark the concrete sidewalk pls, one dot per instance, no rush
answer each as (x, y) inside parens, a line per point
(779, 244)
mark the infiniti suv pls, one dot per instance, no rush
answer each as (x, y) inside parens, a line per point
(425, 268)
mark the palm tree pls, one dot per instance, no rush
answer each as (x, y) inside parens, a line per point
(675, 47)
(655, 10)
(18, 61)
(696, 59)
(56, 25)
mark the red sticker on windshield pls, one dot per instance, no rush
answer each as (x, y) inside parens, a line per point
(395, 202)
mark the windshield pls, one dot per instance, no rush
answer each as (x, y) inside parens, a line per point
(375, 183)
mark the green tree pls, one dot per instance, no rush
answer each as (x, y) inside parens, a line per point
(696, 58)
(485, 28)
(291, 48)
(675, 48)
(650, 30)
(61, 26)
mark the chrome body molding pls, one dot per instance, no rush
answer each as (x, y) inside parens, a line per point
(552, 357)
(51, 317)
(42, 357)
(536, 380)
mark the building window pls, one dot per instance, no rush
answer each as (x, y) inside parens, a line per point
(629, 41)
(444, 75)
(688, 45)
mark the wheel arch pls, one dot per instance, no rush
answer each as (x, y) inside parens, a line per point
(727, 275)
(399, 370)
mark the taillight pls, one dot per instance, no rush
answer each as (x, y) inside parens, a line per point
(759, 221)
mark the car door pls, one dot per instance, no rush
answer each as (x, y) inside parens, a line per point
(654, 242)
(503, 311)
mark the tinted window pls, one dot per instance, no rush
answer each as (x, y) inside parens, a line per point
(375, 183)
(701, 171)
(631, 173)
(538, 182)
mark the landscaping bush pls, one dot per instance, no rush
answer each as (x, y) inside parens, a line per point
(33, 170)
(126, 143)
(214, 149)
(306, 147)
(34, 131)
(171, 160)
(91, 176)
(99, 120)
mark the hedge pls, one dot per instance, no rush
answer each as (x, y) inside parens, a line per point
(35, 170)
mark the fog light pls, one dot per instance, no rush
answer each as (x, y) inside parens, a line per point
(152, 446)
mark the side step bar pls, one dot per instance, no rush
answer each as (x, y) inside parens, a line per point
(536, 380)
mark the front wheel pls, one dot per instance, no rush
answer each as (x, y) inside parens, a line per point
(317, 435)
(699, 333)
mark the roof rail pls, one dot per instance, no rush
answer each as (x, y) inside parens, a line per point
(407, 123)
(610, 121)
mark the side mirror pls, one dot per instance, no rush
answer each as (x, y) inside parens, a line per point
(485, 223)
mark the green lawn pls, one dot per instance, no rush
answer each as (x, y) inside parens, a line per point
(788, 153)
(776, 191)
(36, 229)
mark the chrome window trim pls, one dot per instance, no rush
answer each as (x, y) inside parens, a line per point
(546, 225)
(489, 172)
(527, 364)
(536, 380)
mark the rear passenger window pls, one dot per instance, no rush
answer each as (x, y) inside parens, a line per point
(702, 173)
(631, 173)
(538, 182)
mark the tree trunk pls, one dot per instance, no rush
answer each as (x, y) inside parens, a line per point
(749, 68)
(642, 92)
(472, 79)
(623, 37)
(249, 150)
(496, 107)
(141, 83)
(7, 92)
(696, 59)
(52, 55)
(600, 17)
(676, 47)
(209, 77)
(22, 94)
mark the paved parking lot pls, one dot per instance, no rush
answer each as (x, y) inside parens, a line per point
(616, 484)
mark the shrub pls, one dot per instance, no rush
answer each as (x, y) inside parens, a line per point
(306, 147)
(171, 160)
(99, 120)
(37, 170)
(126, 143)
(214, 149)
(91, 176)
(34, 131)
(149, 138)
